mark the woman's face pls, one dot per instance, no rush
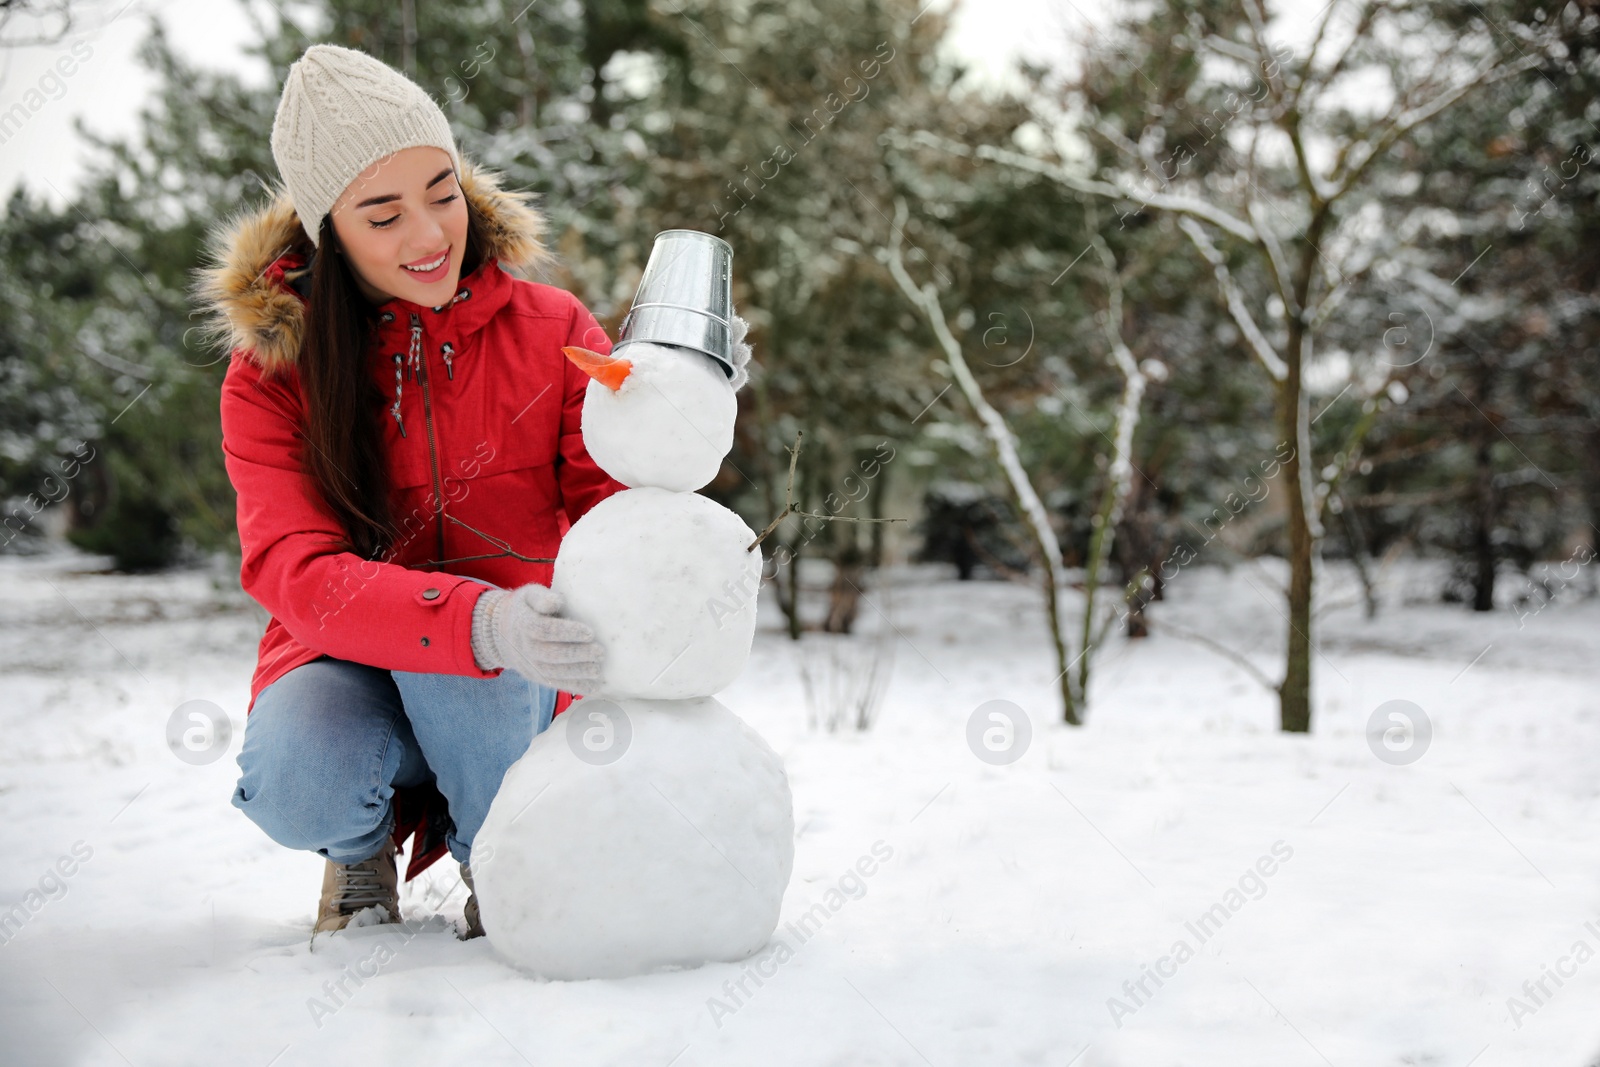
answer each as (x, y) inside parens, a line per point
(405, 211)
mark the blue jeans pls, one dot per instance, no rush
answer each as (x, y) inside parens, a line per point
(327, 743)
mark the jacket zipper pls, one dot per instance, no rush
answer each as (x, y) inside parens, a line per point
(427, 418)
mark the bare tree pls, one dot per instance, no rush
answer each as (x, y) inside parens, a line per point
(925, 297)
(1294, 229)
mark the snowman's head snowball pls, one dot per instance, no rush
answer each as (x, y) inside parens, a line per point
(665, 419)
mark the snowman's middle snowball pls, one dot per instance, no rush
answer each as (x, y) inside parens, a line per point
(666, 583)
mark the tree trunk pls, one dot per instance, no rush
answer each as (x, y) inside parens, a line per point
(408, 38)
(1356, 538)
(875, 509)
(793, 606)
(1591, 481)
(528, 103)
(1294, 693)
(1137, 626)
(844, 597)
(1052, 602)
(1483, 520)
(1137, 552)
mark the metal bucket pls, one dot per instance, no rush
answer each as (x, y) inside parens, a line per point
(685, 297)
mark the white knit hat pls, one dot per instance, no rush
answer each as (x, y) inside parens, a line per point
(342, 111)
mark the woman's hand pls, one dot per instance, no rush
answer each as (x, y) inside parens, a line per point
(521, 629)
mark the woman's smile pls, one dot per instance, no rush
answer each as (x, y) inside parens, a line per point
(430, 269)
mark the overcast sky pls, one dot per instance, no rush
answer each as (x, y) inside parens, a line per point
(107, 87)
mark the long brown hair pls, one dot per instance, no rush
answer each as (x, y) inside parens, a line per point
(344, 454)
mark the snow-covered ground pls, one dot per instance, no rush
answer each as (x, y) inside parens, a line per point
(1333, 908)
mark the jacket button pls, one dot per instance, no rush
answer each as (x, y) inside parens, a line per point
(430, 594)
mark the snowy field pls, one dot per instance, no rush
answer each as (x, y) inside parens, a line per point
(1333, 908)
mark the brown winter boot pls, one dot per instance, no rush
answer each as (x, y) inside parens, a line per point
(470, 912)
(349, 887)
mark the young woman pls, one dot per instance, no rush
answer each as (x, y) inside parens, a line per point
(403, 434)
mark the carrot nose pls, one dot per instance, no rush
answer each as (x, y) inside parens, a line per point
(609, 371)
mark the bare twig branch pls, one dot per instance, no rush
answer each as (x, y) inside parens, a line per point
(1486, 74)
(1231, 49)
(926, 299)
(1270, 360)
(1120, 469)
(1255, 10)
(1282, 279)
(1315, 82)
(1180, 204)
(1311, 50)
(504, 546)
(790, 509)
(788, 492)
(1220, 649)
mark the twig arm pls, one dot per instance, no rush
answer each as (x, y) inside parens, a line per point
(790, 509)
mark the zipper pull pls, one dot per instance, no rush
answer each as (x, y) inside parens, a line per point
(416, 347)
(395, 410)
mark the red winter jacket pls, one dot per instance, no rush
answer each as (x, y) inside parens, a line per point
(491, 424)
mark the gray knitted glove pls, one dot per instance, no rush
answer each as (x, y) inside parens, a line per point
(520, 628)
(740, 353)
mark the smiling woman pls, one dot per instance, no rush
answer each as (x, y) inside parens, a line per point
(406, 663)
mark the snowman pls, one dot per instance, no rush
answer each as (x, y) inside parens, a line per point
(651, 828)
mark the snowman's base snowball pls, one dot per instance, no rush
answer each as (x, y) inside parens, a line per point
(673, 854)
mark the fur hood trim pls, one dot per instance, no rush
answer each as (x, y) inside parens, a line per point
(247, 294)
